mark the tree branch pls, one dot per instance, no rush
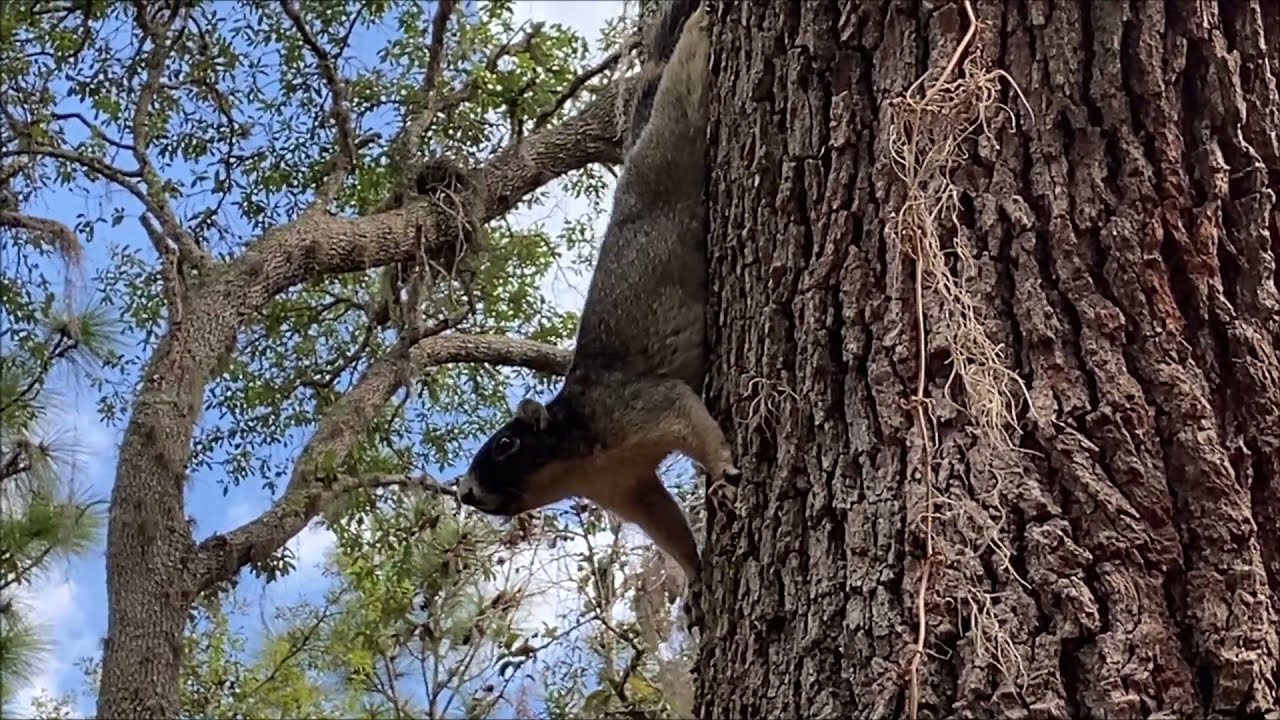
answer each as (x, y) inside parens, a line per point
(157, 199)
(120, 176)
(221, 556)
(491, 350)
(15, 464)
(406, 144)
(344, 160)
(63, 237)
(327, 245)
(95, 130)
(575, 86)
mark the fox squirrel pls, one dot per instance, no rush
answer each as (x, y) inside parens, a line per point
(631, 396)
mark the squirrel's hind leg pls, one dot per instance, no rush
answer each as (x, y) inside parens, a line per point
(648, 504)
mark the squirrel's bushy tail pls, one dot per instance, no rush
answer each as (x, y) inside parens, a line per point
(669, 119)
(660, 43)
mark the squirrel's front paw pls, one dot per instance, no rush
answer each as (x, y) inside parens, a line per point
(724, 468)
(692, 608)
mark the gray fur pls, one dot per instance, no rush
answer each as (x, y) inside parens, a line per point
(645, 310)
(633, 391)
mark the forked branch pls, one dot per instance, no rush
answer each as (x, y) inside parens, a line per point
(162, 38)
(314, 487)
(424, 110)
(575, 86)
(344, 158)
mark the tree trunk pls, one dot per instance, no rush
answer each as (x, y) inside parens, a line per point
(1117, 556)
(154, 568)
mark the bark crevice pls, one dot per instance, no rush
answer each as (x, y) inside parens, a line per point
(1128, 263)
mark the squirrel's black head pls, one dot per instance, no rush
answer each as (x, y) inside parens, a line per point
(527, 464)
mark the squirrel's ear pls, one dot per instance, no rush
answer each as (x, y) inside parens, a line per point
(533, 412)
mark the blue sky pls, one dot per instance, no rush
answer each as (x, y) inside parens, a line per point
(71, 599)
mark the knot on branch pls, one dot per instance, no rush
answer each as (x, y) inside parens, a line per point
(457, 190)
(456, 222)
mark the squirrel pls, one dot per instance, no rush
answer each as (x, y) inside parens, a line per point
(631, 396)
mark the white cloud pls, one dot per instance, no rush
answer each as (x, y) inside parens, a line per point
(53, 602)
(586, 18)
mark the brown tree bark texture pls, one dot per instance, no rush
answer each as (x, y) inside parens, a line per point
(1126, 248)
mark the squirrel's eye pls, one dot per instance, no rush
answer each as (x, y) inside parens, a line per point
(506, 445)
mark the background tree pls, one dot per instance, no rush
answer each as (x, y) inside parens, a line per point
(998, 331)
(594, 639)
(45, 515)
(293, 293)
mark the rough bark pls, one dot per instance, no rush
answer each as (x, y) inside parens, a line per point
(154, 567)
(1126, 247)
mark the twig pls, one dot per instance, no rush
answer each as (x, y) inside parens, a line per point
(344, 159)
(575, 85)
(15, 464)
(920, 403)
(294, 649)
(955, 58)
(117, 175)
(375, 481)
(94, 129)
(926, 450)
(410, 139)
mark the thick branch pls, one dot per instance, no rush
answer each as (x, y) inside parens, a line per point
(326, 245)
(491, 350)
(221, 556)
(63, 237)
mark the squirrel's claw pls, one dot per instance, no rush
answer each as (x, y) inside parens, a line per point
(723, 489)
(692, 608)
